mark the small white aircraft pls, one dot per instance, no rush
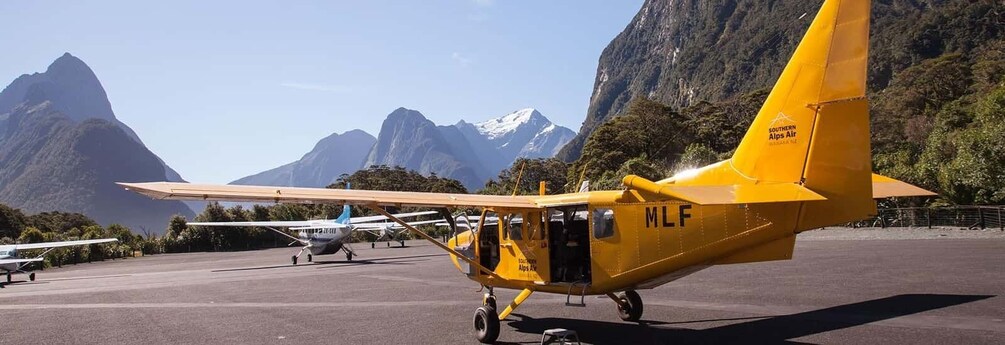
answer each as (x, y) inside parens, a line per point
(320, 237)
(11, 263)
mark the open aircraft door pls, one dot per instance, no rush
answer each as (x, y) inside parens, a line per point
(524, 246)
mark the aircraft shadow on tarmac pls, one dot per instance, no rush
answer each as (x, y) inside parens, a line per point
(319, 264)
(769, 329)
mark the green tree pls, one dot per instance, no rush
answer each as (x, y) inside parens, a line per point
(12, 221)
(550, 170)
(31, 235)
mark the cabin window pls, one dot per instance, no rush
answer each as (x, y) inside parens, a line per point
(516, 227)
(603, 222)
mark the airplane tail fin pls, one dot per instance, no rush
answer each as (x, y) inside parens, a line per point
(346, 214)
(813, 129)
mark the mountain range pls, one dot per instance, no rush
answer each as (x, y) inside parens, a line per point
(471, 153)
(62, 149)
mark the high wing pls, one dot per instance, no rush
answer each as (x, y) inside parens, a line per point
(19, 261)
(311, 223)
(377, 226)
(48, 245)
(367, 219)
(273, 224)
(188, 191)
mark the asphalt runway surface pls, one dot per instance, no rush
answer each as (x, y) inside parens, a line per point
(842, 287)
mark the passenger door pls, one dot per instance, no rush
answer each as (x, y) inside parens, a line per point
(524, 246)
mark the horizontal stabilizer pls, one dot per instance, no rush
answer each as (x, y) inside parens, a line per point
(727, 194)
(886, 187)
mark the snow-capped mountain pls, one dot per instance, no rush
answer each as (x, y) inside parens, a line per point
(524, 133)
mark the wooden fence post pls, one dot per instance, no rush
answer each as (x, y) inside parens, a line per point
(1000, 224)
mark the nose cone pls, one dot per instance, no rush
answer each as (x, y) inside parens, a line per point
(462, 242)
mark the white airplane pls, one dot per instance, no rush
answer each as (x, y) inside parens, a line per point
(320, 237)
(11, 263)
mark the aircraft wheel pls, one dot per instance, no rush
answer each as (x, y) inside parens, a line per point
(486, 325)
(348, 256)
(490, 301)
(310, 258)
(634, 310)
(373, 245)
(402, 243)
(31, 276)
(9, 279)
(294, 260)
(388, 244)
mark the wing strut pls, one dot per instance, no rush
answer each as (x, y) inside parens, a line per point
(285, 234)
(434, 241)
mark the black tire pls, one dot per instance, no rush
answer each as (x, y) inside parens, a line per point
(491, 302)
(486, 325)
(373, 245)
(348, 256)
(294, 260)
(9, 278)
(634, 302)
(310, 258)
(402, 243)
(31, 276)
(388, 244)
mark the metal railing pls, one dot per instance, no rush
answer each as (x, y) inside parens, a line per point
(966, 217)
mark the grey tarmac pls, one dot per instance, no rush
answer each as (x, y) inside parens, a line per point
(844, 286)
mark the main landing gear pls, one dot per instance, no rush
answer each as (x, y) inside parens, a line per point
(629, 305)
(295, 257)
(348, 253)
(310, 258)
(10, 276)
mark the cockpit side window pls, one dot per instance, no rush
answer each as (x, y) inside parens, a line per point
(603, 222)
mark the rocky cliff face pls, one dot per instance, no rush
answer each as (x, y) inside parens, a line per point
(61, 148)
(331, 157)
(680, 52)
(73, 90)
(49, 162)
(409, 140)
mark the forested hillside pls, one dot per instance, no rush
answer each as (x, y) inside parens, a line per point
(679, 86)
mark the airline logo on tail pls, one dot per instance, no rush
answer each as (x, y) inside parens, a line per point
(782, 130)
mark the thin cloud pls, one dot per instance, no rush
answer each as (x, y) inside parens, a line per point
(460, 59)
(484, 3)
(315, 87)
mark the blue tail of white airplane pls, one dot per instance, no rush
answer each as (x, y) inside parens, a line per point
(346, 211)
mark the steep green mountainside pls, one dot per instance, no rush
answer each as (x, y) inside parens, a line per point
(51, 162)
(687, 51)
(937, 90)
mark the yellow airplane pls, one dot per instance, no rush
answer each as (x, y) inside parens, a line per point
(805, 163)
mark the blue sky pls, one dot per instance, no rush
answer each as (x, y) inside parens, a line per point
(221, 90)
